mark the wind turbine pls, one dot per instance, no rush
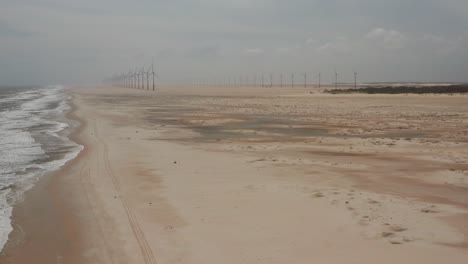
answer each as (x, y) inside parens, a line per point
(355, 80)
(126, 80)
(305, 80)
(147, 78)
(153, 74)
(271, 80)
(140, 79)
(336, 80)
(142, 73)
(320, 78)
(137, 76)
(135, 80)
(130, 78)
(292, 80)
(281, 80)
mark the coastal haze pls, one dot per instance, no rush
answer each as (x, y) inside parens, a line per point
(233, 131)
(82, 42)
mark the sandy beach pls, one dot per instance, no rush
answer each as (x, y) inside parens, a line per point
(253, 175)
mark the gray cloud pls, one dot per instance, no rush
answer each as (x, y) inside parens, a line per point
(11, 31)
(70, 41)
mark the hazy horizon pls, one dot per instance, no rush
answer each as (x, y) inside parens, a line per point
(83, 42)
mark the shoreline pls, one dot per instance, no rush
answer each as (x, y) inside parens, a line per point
(40, 222)
(135, 194)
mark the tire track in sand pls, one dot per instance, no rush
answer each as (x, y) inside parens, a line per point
(146, 252)
(85, 171)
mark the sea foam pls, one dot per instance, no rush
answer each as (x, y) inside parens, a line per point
(33, 141)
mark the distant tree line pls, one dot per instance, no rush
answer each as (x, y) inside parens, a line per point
(461, 88)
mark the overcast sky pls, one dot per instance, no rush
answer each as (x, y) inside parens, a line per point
(84, 41)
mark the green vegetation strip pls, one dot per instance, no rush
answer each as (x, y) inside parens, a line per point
(448, 89)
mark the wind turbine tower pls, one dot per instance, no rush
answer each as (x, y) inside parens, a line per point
(336, 80)
(153, 74)
(134, 80)
(355, 80)
(320, 79)
(147, 78)
(305, 80)
(137, 73)
(143, 77)
(129, 78)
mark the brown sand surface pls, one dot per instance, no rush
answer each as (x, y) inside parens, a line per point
(254, 175)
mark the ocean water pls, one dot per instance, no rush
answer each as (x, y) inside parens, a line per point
(34, 140)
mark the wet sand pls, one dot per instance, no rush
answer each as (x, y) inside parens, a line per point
(254, 175)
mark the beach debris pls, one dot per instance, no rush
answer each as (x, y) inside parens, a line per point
(397, 228)
(257, 160)
(429, 210)
(387, 234)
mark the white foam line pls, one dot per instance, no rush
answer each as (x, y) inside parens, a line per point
(15, 123)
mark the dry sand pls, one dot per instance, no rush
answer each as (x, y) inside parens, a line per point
(211, 175)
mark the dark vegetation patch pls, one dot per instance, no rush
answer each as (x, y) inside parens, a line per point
(450, 89)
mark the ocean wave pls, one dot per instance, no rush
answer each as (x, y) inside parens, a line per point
(33, 141)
